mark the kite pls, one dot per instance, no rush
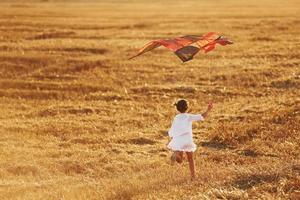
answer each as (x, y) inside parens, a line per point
(183, 48)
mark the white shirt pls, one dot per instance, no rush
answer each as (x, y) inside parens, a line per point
(182, 124)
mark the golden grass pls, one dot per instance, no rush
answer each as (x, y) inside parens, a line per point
(80, 121)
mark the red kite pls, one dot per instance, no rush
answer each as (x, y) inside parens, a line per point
(182, 47)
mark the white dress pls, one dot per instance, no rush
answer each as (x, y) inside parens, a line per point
(181, 132)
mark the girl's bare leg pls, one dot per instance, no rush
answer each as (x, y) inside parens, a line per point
(176, 157)
(179, 156)
(191, 164)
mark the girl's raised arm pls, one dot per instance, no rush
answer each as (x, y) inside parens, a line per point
(209, 107)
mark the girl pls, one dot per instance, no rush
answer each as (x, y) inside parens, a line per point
(182, 136)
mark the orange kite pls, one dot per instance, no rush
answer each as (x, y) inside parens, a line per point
(183, 48)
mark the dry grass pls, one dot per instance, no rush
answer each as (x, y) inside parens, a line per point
(80, 121)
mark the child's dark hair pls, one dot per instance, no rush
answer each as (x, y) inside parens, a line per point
(181, 105)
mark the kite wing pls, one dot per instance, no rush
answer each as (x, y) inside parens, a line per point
(171, 44)
(210, 40)
(181, 46)
(147, 47)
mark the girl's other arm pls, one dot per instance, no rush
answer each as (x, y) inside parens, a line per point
(209, 107)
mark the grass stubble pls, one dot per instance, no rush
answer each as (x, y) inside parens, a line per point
(80, 121)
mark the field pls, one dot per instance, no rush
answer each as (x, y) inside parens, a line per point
(78, 120)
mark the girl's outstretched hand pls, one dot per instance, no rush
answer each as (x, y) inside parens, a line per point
(210, 106)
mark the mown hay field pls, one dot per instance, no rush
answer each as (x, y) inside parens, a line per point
(78, 120)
